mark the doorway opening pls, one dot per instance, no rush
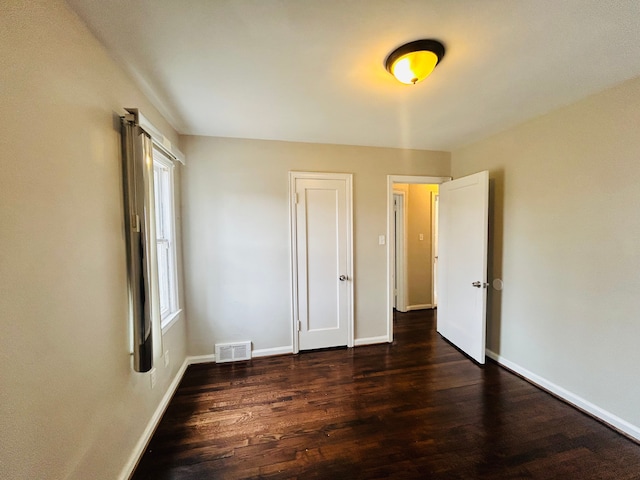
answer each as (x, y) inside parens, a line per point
(412, 246)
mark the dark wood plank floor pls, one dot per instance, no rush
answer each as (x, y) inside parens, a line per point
(414, 409)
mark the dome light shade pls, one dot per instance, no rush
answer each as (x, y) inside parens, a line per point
(414, 61)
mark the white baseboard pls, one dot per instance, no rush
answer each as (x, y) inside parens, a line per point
(261, 352)
(358, 342)
(144, 440)
(607, 417)
(421, 306)
(201, 359)
(268, 352)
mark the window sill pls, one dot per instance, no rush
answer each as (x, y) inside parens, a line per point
(170, 320)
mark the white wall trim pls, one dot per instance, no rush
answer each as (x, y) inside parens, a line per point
(268, 352)
(156, 135)
(435, 200)
(210, 358)
(261, 352)
(371, 340)
(145, 438)
(399, 269)
(421, 306)
(172, 319)
(580, 403)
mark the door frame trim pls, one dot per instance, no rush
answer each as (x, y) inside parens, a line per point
(435, 202)
(391, 180)
(348, 178)
(400, 270)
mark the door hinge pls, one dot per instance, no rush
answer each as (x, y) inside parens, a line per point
(294, 198)
(299, 325)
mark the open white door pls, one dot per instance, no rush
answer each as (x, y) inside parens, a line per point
(462, 263)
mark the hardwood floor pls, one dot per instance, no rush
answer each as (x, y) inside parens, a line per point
(414, 409)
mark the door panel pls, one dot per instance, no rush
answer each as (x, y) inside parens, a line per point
(462, 258)
(322, 255)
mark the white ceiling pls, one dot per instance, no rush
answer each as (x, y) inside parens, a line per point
(312, 70)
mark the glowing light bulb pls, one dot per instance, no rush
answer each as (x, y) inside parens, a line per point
(414, 67)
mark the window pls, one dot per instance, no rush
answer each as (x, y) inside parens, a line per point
(165, 237)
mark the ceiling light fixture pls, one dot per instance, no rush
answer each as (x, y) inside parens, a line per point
(414, 61)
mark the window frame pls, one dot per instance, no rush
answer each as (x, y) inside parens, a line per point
(165, 216)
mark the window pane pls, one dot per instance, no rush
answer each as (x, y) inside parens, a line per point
(165, 242)
(163, 277)
(159, 193)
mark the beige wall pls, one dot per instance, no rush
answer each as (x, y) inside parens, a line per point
(237, 247)
(565, 235)
(566, 241)
(70, 404)
(418, 200)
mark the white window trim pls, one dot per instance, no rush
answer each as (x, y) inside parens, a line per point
(174, 314)
(171, 320)
(161, 142)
